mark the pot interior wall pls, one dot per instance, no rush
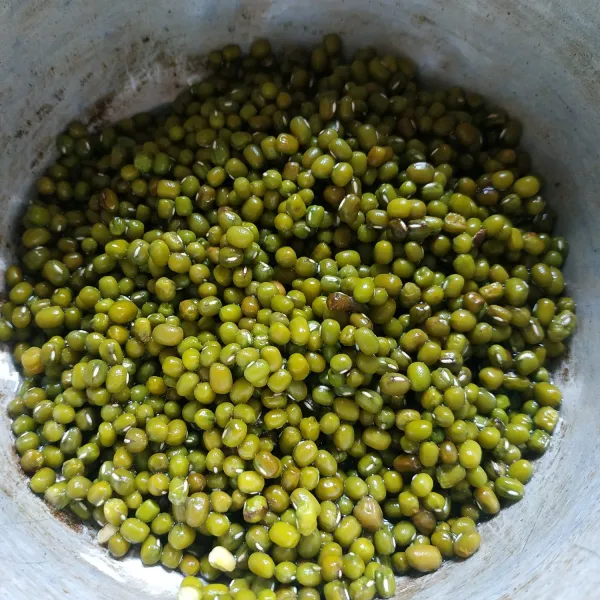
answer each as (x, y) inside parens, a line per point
(61, 59)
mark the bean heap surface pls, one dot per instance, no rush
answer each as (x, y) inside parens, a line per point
(290, 334)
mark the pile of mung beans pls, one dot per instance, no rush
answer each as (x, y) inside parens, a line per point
(290, 334)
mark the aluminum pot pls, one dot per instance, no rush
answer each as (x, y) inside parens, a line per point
(539, 59)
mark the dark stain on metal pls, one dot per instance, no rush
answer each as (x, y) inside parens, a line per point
(99, 109)
(37, 160)
(43, 111)
(68, 519)
(86, 77)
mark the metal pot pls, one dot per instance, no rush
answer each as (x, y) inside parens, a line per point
(102, 60)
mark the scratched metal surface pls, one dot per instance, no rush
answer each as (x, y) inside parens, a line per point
(539, 58)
